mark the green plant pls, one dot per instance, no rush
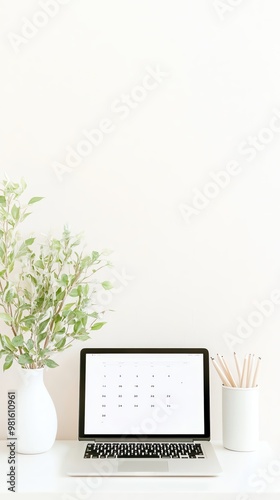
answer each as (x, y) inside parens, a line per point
(47, 287)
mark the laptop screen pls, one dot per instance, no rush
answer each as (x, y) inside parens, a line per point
(143, 392)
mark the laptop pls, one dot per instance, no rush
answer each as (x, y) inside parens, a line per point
(144, 412)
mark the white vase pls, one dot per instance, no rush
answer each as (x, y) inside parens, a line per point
(36, 419)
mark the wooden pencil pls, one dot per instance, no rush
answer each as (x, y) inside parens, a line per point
(255, 379)
(221, 373)
(244, 372)
(237, 368)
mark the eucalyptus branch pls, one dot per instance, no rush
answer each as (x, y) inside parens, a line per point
(60, 307)
(45, 288)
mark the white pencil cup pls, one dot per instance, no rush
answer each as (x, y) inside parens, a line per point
(240, 418)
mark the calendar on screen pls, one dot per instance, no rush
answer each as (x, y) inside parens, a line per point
(146, 393)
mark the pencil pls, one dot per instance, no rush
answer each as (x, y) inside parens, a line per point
(248, 371)
(221, 361)
(243, 377)
(224, 369)
(237, 368)
(221, 373)
(249, 383)
(228, 373)
(254, 384)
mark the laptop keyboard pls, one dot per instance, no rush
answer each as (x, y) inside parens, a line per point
(144, 450)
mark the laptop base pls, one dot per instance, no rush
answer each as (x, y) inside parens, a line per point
(137, 467)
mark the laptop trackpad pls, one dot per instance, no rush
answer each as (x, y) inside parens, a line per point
(143, 466)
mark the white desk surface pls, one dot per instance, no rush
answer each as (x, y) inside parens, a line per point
(241, 478)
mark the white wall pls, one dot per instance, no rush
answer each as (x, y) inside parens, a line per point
(193, 277)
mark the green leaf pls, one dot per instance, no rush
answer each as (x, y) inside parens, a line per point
(68, 306)
(15, 213)
(84, 337)
(23, 184)
(42, 353)
(32, 278)
(74, 293)
(80, 314)
(41, 337)
(8, 362)
(25, 359)
(28, 321)
(30, 344)
(84, 320)
(97, 326)
(78, 326)
(3, 200)
(35, 199)
(60, 294)
(66, 312)
(43, 325)
(39, 264)
(18, 341)
(94, 255)
(27, 295)
(85, 262)
(6, 318)
(58, 327)
(23, 217)
(11, 266)
(29, 241)
(93, 315)
(59, 345)
(56, 244)
(107, 285)
(64, 280)
(12, 187)
(50, 363)
(9, 296)
(22, 251)
(76, 242)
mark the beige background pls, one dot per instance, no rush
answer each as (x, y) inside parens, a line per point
(189, 283)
